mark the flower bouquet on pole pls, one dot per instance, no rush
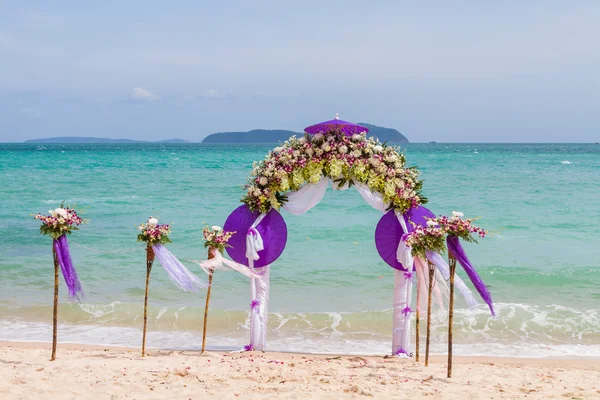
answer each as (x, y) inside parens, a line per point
(216, 240)
(61, 222)
(421, 240)
(457, 228)
(156, 236)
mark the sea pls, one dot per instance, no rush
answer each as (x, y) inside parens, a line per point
(330, 290)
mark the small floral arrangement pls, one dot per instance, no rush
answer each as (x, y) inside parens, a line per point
(153, 233)
(344, 159)
(423, 239)
(461, 228)
(216, 237)
(61, 221)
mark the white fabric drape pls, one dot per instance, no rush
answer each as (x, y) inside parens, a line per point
(259, 288)
(306, 197)
(401, 320)
(259, 312)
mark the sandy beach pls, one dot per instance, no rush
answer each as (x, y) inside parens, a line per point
(117, 373)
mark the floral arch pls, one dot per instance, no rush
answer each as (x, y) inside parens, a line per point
(295, 176)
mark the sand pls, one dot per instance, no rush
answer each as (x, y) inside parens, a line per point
(95, 372)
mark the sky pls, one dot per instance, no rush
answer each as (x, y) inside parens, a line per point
(460, 71)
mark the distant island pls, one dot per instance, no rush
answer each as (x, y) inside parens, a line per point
(254, 136)
(75, 139)
(280, 135)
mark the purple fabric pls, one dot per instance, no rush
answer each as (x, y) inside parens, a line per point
(272, 229)
(389, 232)
(346, 127)
(456, 249)
(177, 272)
(61, 245)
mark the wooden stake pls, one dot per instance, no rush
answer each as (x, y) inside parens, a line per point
(417, 334)
(452, 262)
(210, 278)
(149, 261)
(430, 288)
(55, 316)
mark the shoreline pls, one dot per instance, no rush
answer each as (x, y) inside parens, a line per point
(92, 371)
(458, 359)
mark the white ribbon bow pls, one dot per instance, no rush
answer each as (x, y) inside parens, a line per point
(254, 241)
(220, 262)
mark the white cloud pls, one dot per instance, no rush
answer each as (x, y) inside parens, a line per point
(214, 93)
(141, 94)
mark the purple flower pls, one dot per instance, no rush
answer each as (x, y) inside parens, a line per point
(401, 351)
(406, 311)
(408, 275)
(254, 305)
(248, 347)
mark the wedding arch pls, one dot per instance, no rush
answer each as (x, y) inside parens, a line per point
(295, 176)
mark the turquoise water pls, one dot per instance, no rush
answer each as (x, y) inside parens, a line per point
(330, 291)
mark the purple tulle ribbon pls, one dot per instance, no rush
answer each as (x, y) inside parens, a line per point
(406, 311)
(178, 273)
(456, 249)
(61, 246)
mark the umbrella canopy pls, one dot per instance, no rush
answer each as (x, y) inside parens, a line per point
(272, 229)
(336, 124)
(389, 232)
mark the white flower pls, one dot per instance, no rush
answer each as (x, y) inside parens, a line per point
(457, 214)
(61, 211)
(302, 140)
(217, 228)
(263, 180)
(51, 212)
(431, 223)
(152, 222)
(318, 136)
(378, 148)
(343, 149)
(356, 137)
(326, 147)
(357, 153)
(310, 151)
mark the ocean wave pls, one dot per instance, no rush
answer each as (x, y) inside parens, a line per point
(518, 329)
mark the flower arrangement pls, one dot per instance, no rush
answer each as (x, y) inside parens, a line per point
(461, 228)
(153, 233)
(344, 159)
(61, 221)
(423, 239)
(216, 237)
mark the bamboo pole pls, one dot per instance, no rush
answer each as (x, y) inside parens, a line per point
(430, 288)
(149, 261)
(452, 262)
(55, 315)
(417, 334)
(210, 278)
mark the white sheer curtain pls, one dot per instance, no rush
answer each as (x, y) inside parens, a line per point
(259, 288)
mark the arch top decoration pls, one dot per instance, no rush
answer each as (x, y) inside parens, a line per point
(343, 158)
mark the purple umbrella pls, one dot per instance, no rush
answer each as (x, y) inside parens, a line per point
(389, 232)
(272, 229)
(336, 124)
